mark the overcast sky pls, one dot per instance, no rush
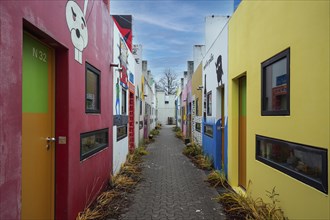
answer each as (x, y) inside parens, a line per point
(168, 30)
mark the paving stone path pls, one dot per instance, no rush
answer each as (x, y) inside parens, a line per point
(172, 187)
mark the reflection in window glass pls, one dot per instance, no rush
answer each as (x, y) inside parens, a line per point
(302, 162)
(92, 89)
(275, 74)
(121, 132)
(208, 130)
(123, 102)
(92, 142)
(209, 103)
(198, 126)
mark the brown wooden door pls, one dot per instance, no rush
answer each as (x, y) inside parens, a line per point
(242, 133)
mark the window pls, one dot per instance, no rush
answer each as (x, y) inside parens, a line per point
(197, 113)
(123, 102)
(305, 163)
(92, 142)
(121, 132)
(198, 126)
(208, 130)
(209, 104)
(166, 102)
(92, 89)
(275, 76)
(141, 106)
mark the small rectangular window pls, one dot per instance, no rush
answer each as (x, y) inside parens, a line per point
(123, 102)
(92, 142)
(208, 130)
(166, 102)
(305, 163)
(92, 89)
(209, 104)
(198, 126)
(197, 113)
(276, 84)
(121, 132)
(141, 107)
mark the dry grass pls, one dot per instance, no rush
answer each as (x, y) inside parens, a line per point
(110, 203)
(203, 162)
(217, 178)
(241, 206)
(192, 150)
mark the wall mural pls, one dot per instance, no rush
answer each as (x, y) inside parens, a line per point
(77, 25)
(219, 71)
(117, 97)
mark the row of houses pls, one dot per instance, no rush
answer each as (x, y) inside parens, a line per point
(257, 101)
(76, 96)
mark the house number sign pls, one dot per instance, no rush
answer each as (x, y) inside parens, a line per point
(39, 54)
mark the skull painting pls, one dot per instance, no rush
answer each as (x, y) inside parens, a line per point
(77, 25)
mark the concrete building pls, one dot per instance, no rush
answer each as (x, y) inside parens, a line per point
(278, 112)
(56, 93)
(165, 107)
(215, 89)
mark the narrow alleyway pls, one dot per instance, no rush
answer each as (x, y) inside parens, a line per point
(173, 188)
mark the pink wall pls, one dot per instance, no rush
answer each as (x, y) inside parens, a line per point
(76, 180)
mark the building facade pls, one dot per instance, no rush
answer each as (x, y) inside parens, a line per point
(215, 88)
(278, 113)
(123, 90)
(58, 95)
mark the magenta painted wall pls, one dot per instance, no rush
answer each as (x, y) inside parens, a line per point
(77, 182)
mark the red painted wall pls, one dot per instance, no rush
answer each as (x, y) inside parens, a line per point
(77, 182)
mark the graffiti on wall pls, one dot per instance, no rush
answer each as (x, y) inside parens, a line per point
(219, 71)
(77, 24)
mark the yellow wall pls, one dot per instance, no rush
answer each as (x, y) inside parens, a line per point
(195, 82)
(257, 31)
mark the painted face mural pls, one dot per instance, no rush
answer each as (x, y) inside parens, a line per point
(218, 66)
(77, 25)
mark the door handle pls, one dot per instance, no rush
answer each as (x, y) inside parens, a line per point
(49, 141)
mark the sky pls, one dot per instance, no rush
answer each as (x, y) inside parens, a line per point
(167, 30)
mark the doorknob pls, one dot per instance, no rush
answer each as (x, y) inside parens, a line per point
(49, 140)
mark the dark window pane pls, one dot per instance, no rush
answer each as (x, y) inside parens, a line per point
(92, 142)
(275, 79)
(305, 163)
(121, 132)
(208, 130)
(92, 89)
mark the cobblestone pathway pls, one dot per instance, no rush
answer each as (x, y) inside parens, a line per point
(173, 188)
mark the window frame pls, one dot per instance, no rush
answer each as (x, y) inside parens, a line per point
(209, 104)
(97, 73)
(98, 148)
(123, 103)
(123, 135)
(281, 55)
(321, 185)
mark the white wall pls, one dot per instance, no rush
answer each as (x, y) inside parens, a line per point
(137, 53)
(213, 26)
(165, 110)
(219, 47)
(120, 148)
(198, 55)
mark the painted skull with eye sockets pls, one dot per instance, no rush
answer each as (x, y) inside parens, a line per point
(75, 19)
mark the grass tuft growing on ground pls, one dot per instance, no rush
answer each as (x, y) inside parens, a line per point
(110, 203)
(240, 206)
(217, 178)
